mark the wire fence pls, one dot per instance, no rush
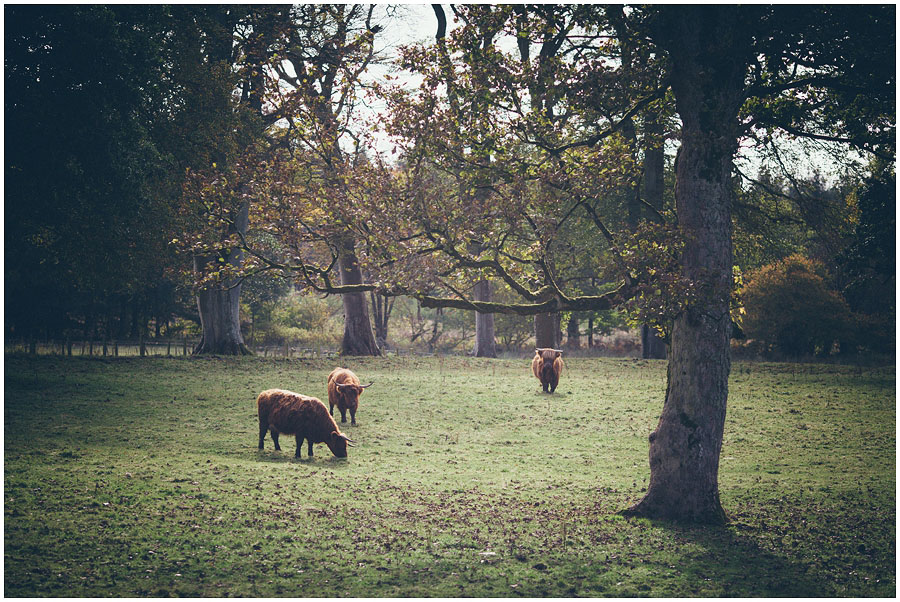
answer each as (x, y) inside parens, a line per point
(169, 348)
(75, 348)
(184, 347)
(616, 344)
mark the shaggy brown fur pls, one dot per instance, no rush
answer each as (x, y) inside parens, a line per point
(344, 391)
(287, 413)
(547, 365)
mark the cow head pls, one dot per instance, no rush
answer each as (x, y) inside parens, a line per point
(338, 442)
(351, 392)
(548, 357)
(548, 354)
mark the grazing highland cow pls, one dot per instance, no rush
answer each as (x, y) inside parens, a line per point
(547, 365)
(287, 413)
(343, 391)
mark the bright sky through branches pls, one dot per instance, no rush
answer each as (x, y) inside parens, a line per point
(411, 23)
(408, 23)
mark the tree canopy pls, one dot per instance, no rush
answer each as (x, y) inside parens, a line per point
(83, 100)
(504, 171)
(519, 151)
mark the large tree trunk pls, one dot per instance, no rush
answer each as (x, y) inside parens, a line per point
(546, 330)
(652, 345)
(381, 313)
(358, 337)
(485, 344)
(573, 338)
(708, 61)
(220, 321)
(220, 307)
(653, 180)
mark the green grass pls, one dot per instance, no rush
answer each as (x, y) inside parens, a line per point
(141, 477)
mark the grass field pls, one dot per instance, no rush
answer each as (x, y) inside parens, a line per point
(141, 477)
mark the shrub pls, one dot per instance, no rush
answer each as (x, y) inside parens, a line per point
(789, 307)
(299, 319)
(307, 312)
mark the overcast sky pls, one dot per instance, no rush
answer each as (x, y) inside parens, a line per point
(403, 24)
(412, 22)
(416, 23)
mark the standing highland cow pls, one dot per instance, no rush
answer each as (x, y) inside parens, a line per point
(547, 365)
(287, 413)
(344, 391)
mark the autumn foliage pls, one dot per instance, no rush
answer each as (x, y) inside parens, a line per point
(791, 309)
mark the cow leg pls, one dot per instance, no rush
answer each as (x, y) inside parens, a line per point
(331, 406)
(310, 448)
(275, 439)
(544, 385)
(353, 416)
(343, 414)
(299, 445)
(553, 386)
(262, 433)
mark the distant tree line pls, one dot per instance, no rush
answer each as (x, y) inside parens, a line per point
(109, 107)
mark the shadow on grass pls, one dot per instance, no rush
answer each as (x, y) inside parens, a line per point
(322, 455)
(283, 457)
(734, 564)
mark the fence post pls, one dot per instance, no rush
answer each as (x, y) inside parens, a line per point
(143, 348)
(105, 350)
(184, 345)
(169, 348)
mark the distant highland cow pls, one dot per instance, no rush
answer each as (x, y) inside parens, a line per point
(344, 391)
(547, 365)
(287, 413)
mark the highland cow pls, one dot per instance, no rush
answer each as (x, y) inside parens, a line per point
(287, 413)
(547, 365)
(344, 391)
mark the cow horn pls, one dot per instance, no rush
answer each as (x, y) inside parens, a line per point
(558, 350)
(350, 441)
(368, 385)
